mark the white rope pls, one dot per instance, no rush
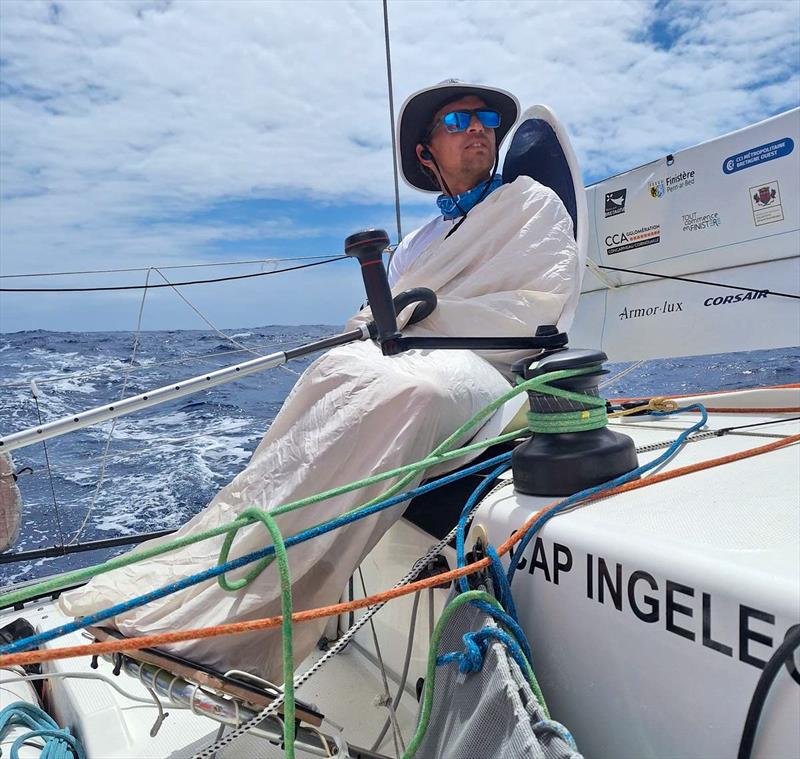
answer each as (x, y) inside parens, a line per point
(601, 275)
(91, 676)
(619, 376)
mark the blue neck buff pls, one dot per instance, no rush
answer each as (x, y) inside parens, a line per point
(453, 207)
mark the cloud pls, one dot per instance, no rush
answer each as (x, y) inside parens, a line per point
(130, 130)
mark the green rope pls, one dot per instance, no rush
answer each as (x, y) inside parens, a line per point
(438, 455)
(286, 624)
(427, 697)
(581, 420)
(568, 421)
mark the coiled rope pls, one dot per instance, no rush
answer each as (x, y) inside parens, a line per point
(59, 743)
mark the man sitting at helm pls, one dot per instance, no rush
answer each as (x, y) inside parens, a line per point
(450, 137)
(502, 260)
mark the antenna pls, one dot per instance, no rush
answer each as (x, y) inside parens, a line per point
(391, 119)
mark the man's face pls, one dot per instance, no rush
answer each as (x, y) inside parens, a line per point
(464, 158)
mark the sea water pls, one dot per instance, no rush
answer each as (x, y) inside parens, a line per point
(164, 464)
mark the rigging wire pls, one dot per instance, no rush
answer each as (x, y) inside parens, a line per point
(219, 332)
(104, 459)
(164, 268)
(35, 394)
(702, 282)
(391, 119)
(172, 284)
(385, 698)
(205, 320)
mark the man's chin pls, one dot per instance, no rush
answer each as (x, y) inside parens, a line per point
(480, 170)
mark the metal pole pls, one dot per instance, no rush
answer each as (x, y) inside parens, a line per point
(171, 392)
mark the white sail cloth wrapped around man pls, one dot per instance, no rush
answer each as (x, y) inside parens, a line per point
(511, 266)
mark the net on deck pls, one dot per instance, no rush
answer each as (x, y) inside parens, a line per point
(489, 714)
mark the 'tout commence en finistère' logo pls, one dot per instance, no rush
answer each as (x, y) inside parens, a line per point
(693, 221)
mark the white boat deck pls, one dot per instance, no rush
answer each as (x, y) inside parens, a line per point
(732, 530)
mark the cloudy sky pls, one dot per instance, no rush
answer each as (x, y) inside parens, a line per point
(159, 133)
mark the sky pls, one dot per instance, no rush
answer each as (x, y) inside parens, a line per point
(164, 133)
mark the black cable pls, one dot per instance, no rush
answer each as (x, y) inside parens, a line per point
(172, 284)
(725, 430)
(781, 656)
(160, 266)
(701, 282)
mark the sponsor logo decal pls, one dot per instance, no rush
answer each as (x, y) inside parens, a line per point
(766, 202)
(695, 221)
(755, 156)
(671, 183)
(668, 307)
(615, 202)
(726, 300)
(619, 242)
(657, 189)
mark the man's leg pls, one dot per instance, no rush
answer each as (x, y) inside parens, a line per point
(354, 412)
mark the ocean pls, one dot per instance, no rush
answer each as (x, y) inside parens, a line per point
(164, 464)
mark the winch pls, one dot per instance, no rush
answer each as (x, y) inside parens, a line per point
(571, 448)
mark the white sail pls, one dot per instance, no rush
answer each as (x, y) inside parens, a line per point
(726, 211)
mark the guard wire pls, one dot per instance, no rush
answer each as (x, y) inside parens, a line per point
(702, 282)
(174, 284)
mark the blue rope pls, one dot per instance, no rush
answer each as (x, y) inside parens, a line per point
(555, 728)
(461, 528)
(475, 646)
(506, 621)
(58, 743)
(502, 587)
(34, 641)
(573, 499)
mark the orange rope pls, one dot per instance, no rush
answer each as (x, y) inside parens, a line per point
(151, 641)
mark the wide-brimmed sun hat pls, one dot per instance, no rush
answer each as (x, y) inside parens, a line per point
(418, 110)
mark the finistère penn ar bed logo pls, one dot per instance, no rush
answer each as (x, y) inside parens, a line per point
(657, 189)
(671, 183)
(615, 202)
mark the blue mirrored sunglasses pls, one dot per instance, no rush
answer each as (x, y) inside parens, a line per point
(458, 121)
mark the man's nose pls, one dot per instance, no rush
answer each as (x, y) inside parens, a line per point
(475, 124)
